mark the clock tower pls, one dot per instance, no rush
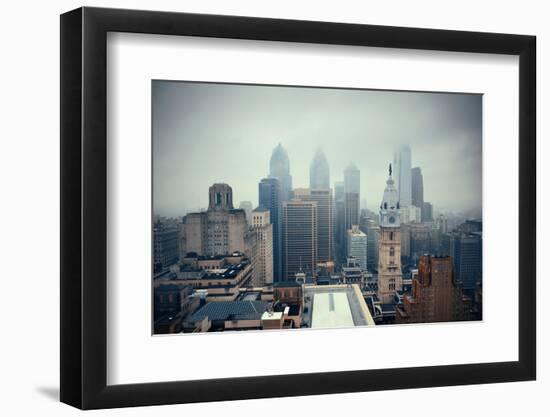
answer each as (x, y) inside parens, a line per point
(389, 250)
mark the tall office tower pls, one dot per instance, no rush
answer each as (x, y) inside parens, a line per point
(219, 230)
(436, 296)
(339, 222)
(299, 238)
(466, 250)
(279, 167)
(325, 231)
(166, 244)
(270, 197)
(417, 187)
(389, 253)
(319, 172)
(402, 165)
(357, 246)
(373, 237)
(261, 225)
(352, 185)
(247, 207)
(427, 212)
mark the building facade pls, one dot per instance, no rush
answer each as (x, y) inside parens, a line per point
(466, 249)
(319, 171)
(436, 296)
(219, 230)
(299, 238)
(402, 165)
(325, 230)
(352, 186)
(166, 243)
(279, 167)
(357, 246)
(417, 187)
(270, 197)
(262, 227)
(389, 253)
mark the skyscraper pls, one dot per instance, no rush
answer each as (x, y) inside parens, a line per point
(299, 238)
(270, 197)
(402, 165)
(389, 254)
(323, 198)
(427, 212)
(319, 171)
(417, 185)
(247, 207)
(279, 167)
(339, 221)
(357, 246)
(466, 250)
(352, 185)
(436, 296)
(261, 225)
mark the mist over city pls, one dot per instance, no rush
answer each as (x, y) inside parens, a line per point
(206, 133)
(293, 208)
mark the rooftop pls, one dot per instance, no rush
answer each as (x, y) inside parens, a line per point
(230, 310)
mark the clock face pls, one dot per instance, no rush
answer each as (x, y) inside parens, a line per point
(391, 219)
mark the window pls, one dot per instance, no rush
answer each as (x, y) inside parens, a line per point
(392, 251)
(391, 235)
(391, 285)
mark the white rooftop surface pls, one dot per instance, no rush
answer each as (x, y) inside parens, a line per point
(331, 309)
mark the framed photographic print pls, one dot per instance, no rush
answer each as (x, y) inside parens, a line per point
(342, 207)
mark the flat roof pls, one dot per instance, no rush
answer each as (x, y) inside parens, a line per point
(331, 309)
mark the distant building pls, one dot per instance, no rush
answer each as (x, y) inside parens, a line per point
(427, 212)
(219, 230)
(411, 214)
(323, 198)
(417, 187)
(279, 167)
(319, 172)
(299, 238)
(466, 249)
(352, 187)
(389, 254)
(357, 245)
(436, 296)
(174, 299)
(418, 239)
(373, 237)
(165, 244)
(263, 270)
(402, 166)
(247, 207)
(339, 222)
(234, 315)
(353, 273)
(220, 276)
(270, 197)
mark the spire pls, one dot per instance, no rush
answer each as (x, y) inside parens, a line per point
(390, 169)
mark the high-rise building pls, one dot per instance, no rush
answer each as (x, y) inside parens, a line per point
(427, 212)
(319, 171)
(339, 221)
(325, 231)
(352, 186)
(417, 187)
(219, 230)
(247, 207)
(261, 225)
(270, 197)
(279, 167)
(299, 238)
(166, 245)
(466, 251)
(436, 296)
(357, 246)
(402, 165)
(389, 254)
(373, 237)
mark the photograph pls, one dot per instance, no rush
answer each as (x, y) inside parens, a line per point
(299, 207)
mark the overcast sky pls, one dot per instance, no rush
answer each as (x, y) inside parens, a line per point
(207, 133)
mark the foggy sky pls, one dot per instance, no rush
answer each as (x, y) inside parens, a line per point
(206, 133)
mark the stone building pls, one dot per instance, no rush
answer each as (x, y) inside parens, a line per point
(435, 296)
(219, 230)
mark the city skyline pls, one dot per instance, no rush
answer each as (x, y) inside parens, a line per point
(362, 127)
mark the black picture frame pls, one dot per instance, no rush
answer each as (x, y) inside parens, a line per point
(84, 207)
